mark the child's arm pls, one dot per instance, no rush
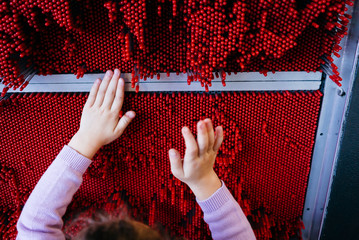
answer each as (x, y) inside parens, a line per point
(224, 216)
(41, 217)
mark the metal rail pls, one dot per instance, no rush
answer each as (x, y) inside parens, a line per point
(251, 81)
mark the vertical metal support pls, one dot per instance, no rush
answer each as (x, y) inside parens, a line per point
(328, 136)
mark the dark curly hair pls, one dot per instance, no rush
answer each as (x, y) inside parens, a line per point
(118, 230)
(116, 226)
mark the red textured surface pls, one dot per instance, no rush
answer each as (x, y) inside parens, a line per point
(147, 37)
(264, 159)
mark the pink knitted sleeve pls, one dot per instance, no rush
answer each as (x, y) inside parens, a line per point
(41, 217)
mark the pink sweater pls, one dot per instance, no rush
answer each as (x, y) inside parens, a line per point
(41, 217)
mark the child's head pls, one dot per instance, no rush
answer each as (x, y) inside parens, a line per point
(119, 230)
(117, 225)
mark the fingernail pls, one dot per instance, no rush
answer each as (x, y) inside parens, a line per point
(185, 129)
(220, 129)
(172, 153)
(131, 114)
(121, 81)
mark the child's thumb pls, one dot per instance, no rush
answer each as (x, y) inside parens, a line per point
(176, 163)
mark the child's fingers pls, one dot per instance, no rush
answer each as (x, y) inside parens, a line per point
(117, 104)
(103, 87)
(218, 139)
(210, 132)
(191, 144)
(176, 163)
(93, 92)
(124, 122)
(202, 137)
(111, 90)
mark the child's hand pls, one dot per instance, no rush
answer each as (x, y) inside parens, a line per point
(196, 169)
(100, 121)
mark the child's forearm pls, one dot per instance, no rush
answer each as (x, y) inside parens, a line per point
(225, 217)
(41, 217)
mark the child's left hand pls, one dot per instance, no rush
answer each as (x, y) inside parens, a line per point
(100, 122)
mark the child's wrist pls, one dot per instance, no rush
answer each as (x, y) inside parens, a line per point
(84, 145)
(206, 187)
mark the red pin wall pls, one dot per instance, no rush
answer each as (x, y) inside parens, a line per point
(201, 38)
(264, 160)
(269, 136)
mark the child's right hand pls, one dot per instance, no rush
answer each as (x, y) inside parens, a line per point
(196, 169)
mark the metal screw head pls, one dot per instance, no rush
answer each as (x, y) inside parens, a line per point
(341, 92)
